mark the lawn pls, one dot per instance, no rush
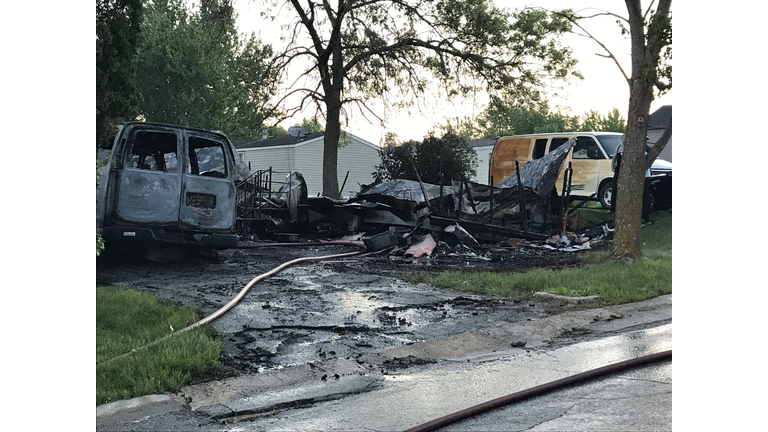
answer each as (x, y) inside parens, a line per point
(612, 282)
(128, 319)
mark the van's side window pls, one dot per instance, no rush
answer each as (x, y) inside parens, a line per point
(557, 142)
(206, 158)
(586, 148)
(539, 147)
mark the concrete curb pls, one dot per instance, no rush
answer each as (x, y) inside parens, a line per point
(136, 408)
(277, 389)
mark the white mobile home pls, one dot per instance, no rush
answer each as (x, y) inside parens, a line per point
(303, 153)
(483, 148)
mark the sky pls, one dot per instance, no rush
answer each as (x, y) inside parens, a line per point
(602, 89)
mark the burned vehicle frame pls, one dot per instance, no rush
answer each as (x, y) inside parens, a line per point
(162, 184)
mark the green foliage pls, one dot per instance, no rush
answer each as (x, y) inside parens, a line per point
(466, 128)
(117, 34)
(437, 160)
(276, 131)
(311, 125)
(511, 115)
(194, 69)
(128, 319)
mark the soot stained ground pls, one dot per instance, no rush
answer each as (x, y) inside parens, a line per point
(342, 308)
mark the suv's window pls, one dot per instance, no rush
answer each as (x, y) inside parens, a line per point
(557, 142)
(586, 148)
(538, 148)
(153, 150)
(206, 158)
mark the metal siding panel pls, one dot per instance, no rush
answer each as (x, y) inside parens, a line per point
(483, 157)
(309, 162)
(360, 160)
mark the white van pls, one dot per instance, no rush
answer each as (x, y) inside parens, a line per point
(590, 159)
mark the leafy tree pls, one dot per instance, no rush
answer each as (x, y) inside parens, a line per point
(117, 33)
(613, 122)
(436, 160)
(311, 125)
(467, 128)
(594, 121)
(392, 50)
(276, 131)
(195, 70)
(650, 74)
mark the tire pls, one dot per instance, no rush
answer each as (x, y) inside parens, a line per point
(605, 194)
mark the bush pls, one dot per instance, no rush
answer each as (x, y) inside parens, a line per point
(437, 160)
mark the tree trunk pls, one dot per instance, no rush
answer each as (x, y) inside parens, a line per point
(331, 146)
(629, 200)
(626, 240)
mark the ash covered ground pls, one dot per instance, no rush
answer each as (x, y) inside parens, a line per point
(343, 308)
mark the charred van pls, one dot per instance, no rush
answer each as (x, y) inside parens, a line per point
(172, 185)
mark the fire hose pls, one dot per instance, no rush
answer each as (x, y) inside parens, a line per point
(540, 390)
(224, 309)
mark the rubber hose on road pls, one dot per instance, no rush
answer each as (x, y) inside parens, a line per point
(540, 390)
(224, 309)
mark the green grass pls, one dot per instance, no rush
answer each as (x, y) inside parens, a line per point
(613, 282)
(128, 319)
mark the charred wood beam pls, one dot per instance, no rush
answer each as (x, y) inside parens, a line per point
(521, 203)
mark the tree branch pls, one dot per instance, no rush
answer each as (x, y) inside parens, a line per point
(659, 146)
(602, 45)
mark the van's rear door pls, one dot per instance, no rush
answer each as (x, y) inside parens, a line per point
(208, 201)
(150, 181)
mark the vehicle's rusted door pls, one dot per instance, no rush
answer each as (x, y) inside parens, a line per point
(150, 181)
(208, 201)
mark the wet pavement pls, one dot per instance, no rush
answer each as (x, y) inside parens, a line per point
(638, 399)
(335, 346)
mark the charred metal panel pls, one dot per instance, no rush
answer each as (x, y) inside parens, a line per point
(402, 194)
(149, 187)
(541, 174)
(149, 197)
(506, 151)
(506, 201)
(293, 193)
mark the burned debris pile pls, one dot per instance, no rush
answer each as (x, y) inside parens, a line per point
(521, 210)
